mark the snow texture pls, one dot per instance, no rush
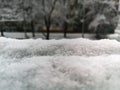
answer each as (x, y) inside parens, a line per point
(77, 64)
(78, 47)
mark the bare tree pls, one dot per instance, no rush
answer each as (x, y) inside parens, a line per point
(48, 7)
(27, 9)
(104, 16)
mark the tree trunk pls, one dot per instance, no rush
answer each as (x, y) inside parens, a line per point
(2, 33)
(83, 30)
(65, 33)
(48, 25)
(48, 33)
(2, 29)
(25, 32)
(65, 29)
(33, 30)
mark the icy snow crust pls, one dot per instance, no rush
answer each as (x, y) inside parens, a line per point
(78, 64)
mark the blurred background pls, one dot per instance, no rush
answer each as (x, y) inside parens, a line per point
(55, 19)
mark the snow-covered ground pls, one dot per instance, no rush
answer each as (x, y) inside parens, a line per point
(76, 64)
(20, 35)
(116, 35)
(78, 47)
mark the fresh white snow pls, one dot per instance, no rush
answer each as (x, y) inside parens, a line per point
(64, 47)
(76, 64)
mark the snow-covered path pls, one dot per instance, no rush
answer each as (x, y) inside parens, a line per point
(77, 64)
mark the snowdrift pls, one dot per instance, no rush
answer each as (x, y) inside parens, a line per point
(77, 47)
(60, 73)
(78, 64)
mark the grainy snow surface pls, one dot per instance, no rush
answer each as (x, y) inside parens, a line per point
(76, 64)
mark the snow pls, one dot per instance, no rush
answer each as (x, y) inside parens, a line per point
(115, 36)
(39, 47)
(21, 35)
(100, 19)
(73, 64)
(97, 20)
